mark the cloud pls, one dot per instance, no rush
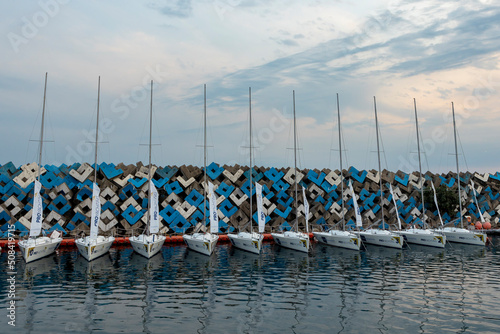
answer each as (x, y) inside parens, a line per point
(180, 8)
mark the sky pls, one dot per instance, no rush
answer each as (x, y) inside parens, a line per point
(436, 52)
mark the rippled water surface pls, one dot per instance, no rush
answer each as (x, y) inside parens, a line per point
(417, 290)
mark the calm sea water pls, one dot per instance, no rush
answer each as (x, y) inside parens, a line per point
(417, 290)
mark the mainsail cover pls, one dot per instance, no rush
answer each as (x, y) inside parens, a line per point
(154, 217)
(436, 202)
(96, 211)
(260, 208)
(477, 205)
(37, 213)
(214, 218)
(359, 221)
(396, 205)
(306, 208)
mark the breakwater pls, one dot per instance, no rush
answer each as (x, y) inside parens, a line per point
(66, 192)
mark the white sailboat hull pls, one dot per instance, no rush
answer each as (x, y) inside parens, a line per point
(294, 240)
(343, 239)
(203, 243)
(93, 248)
(250, 242)
(463, 236)
(424, 237)
(382, 238)
(34, 249)
(147, 245)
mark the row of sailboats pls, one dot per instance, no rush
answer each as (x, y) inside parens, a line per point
(151, 241)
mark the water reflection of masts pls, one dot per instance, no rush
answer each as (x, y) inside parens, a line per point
(203, 264)
(301, 265)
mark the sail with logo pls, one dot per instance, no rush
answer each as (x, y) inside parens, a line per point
(214, 219)
(37, 214)
(154, 225)
(96, 210)
(306, 208)
(260, 209)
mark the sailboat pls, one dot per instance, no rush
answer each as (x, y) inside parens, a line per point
(250, 241)
(150, 242)
(36, 247)
(294, 239)
(334, 237)
(460, 234)
(94, 245)
(204, 243)
(377, 236)
(423, 236)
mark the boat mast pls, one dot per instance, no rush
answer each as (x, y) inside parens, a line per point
(341, 171)
(205, 153)
(149, 169)
(41, 132)
(97, 128)
(421, 180)
(458, 171)
(295, 162)
(251, 165)
(379, 168)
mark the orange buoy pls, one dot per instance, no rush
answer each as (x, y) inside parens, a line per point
(479, 226)
(487, 225)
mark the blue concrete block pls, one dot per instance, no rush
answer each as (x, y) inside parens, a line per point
(110, 170)
(273, 175)
(283, 214)
(83, 194)
(4, 217)
(70, 181)
(5, 184)
(128, 191)
(131, 215)
(196, 217)
(50, 180)
(315, 178)
(137, 183)
(404, 180)
(60, 205)
(496, 176)
(255, 218)
(445, 181)
(9, 168)
(78, 218)
(328, 187)
(195, 198)
(283, 199)
(256, 176)
(168, 214)
(160, 182)
(86, 183)
(364, 194)
(224, 190)
(329, 204)
(174, 187)
(319, 199)
(70, 226)
(213, 170)
(281, 185)
(110, 206)
(357, 175)
(245, 187)
(227, 208)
